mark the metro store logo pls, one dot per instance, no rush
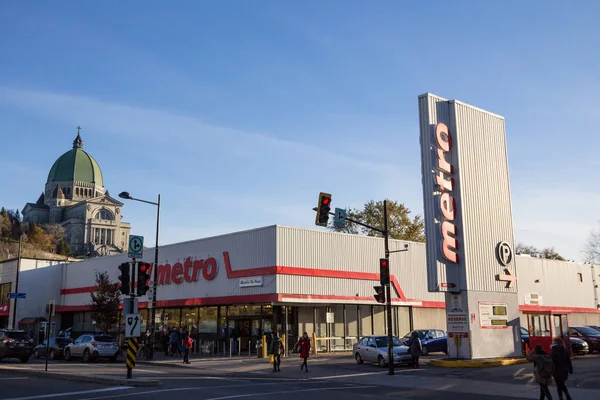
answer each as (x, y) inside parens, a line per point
(188, 271)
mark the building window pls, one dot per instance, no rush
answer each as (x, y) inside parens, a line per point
(104, 215)
(580, 276)
(76, 191)
(97, 236)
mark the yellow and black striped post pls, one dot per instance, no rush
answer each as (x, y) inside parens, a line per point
(132, 349)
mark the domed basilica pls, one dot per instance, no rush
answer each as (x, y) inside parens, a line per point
(76, 199)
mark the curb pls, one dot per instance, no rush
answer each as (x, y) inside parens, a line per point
(476, 363)
(83, 378)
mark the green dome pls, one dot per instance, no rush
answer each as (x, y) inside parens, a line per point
(76, 165)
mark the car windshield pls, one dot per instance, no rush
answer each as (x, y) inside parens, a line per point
(18, 335)
(104, 339)
(524, 331)
(584, 330)
(383, 342)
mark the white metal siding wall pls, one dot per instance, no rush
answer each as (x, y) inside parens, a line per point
(559, 283)
(486, 212)
(297, 247)
(248, 249)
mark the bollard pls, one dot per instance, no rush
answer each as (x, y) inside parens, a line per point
(249, 347)
(230, 346)
(264, 346)
(285, 349)
(314, 338)
(239, 347)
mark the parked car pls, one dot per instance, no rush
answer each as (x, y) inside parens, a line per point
(374, 349)
(90, 347)
(524, 340)
(56, 348)
(590, 335)
(579, 347)
(15, 344)
(596, 327)
(432, 340)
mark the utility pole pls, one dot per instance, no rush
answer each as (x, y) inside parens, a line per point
(14, 311)
(154, 277)
(388, 294)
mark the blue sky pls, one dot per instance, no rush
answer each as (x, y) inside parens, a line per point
(240, 112)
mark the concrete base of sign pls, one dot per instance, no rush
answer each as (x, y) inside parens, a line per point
(483, 325)
(445, 363)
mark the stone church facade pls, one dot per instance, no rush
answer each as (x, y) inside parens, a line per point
(75, 198)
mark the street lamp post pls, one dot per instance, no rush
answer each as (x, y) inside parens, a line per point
(126, 195)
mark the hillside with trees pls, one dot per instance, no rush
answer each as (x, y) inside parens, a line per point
(46, 241)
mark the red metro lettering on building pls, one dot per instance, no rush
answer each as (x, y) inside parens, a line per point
(445, 181)
(188, 271)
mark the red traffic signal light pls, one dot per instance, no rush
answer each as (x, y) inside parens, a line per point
(384, 271)
(323, 209)
(142, 278)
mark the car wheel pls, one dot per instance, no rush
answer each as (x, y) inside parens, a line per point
(24, 359)
(86, 356)
(113, 359)
(424, 350)
(381, 362)
(67, 355)
(36, 353)
(359, 359)
(52, 355)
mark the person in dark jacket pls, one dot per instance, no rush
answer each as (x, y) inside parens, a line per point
(562, 367)
(542, 370)
(414, 343)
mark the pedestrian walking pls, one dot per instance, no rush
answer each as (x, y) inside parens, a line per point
(414, 344)
(165, 341)
(562, 367)
(187, 345)
(542, 370)
(304, 348)
(276, 349)
(174, 342)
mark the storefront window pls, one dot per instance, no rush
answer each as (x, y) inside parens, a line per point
(234, 311)
(365, 321)
(379, 321)
(171, 317)
(208, 320)
(189, 320)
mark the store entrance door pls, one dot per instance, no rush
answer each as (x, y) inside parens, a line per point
(243, 331)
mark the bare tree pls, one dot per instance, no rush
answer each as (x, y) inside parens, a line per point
(591, 250)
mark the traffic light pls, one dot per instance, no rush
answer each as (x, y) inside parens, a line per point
(323, 209)
(384, 271)
(124, 277)
(380, 296)
(142, 278)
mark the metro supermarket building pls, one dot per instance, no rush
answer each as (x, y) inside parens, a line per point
(294, 280)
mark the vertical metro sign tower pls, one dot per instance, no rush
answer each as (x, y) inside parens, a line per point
(468, 225)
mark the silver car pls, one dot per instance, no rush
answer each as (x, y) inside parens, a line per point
(374, 349)
(93, 346)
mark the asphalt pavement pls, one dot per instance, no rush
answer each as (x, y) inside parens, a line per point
(31, 388)
(330, 376)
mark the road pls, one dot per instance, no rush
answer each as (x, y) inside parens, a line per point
(330, 377)
(214, 388)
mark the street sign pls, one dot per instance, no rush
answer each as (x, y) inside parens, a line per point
(133, 325)
(340, 217)
(127, 306)
(16, 295)
(136, 247)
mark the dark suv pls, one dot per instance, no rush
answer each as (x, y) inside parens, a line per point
(590, 335)
(15, 344)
